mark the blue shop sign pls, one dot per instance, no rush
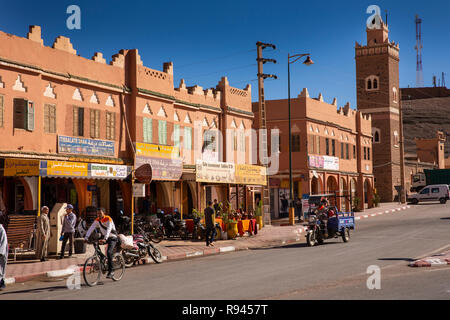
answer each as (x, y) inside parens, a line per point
(73, 145)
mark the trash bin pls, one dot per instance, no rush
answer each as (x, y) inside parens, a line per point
(80, 245)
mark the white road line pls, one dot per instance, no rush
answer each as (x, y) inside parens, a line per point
(357, 218)
(373, 214)
(380, 213)
(60, 273)
(393, 210)
(399, 209)
(387, 211)
(365, 216)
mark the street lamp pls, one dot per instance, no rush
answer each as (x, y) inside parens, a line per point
(307, 62)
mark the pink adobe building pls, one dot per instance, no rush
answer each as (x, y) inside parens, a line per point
(331, 151)
(60, 110)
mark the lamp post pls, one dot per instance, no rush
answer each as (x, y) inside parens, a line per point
(307, 62)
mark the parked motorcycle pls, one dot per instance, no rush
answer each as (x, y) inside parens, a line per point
(142, 247)
(152, 228)
(173, 227)
(199, 231)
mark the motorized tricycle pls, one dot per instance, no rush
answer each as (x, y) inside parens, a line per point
(328, 223)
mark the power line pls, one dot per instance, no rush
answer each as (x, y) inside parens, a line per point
(221, 71)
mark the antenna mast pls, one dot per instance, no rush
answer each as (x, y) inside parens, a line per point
(419, 71)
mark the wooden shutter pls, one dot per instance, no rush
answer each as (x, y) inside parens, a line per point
(148, 130)
(30, 115)
(47, 118)
(95, 123)
(162, 132)
(188, 138)
(20, 107)
(81, 121)
(75, 121)
(110, 125)
(176, 135)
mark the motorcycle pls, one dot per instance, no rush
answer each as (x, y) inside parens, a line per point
(173, 227)
(199, 231)
(152, 228)
(142, 247)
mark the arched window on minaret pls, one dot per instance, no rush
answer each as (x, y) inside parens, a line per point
(375, 83)
(376, 135)
(369, 84)
(372, 83)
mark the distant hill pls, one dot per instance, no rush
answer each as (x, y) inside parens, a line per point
(423, 117)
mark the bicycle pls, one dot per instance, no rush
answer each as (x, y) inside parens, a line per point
(97, 265)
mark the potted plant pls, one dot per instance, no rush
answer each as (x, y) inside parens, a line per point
(356, 202)
(376, 199)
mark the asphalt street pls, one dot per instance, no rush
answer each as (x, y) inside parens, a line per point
(335, 270)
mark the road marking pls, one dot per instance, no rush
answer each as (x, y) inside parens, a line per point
(357, 218)
(10, 280)
(393, 210)
(399, 209)
(227, 249)
(194, 254)
(380, 213)
(404, 208)
(365, 216)
(408, 207)
(373, 214)
(387, 211)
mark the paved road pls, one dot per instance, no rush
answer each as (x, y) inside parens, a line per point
(333, 270)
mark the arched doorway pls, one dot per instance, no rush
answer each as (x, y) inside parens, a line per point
(332, 187)
(368, 193)
(353, 191)
(314, 185)
(344, 195)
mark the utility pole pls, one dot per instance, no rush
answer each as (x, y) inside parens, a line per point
(262, 123)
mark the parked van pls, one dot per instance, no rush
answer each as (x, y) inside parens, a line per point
(435, 192)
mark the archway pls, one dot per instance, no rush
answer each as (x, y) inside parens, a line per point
(353, 191)
(332, 187)
(368, 193)
(314, 185)
(344, 195)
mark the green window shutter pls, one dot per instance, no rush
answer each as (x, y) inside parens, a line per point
(188, 138)
(176, 135)
(162, 132)
(75, 121)
(30, 115)
(148, 130)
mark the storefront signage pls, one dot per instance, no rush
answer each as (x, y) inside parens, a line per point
(250, 174)
(324, 162)
(108, 171)
(21, 168)
(73, 145)
(215, 172)
(162, 169)
(157, 151)
(63, 169)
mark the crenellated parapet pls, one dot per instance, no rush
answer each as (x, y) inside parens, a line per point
(64, 44)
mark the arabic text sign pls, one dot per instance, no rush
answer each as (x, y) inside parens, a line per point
(62, 168)
(324, 162)
(250, 174)
(157, 151)
(162, 169)
(21, 168)
(108, 171)
(216, 172)
(73, 145)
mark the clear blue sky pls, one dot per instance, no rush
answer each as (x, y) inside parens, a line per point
(209, 39)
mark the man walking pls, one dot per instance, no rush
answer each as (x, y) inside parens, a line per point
(68, 230)
(210, 218)
(3, 256)
(42, 234)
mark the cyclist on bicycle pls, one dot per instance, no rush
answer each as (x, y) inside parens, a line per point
(108, 230)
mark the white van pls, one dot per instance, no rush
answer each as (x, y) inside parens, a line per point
(435, 192)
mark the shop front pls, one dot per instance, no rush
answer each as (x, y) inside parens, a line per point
(164, 191)
(86, 184)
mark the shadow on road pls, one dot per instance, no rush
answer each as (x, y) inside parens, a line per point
(294, 245)
(448, 218)
(397, 259)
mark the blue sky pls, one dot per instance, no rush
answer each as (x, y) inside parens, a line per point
(210, 39)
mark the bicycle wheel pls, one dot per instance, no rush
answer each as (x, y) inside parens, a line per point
(92, 271)
(155, 254)
(118, 266)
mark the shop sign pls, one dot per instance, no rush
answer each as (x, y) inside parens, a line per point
(274, 182)
(108, 171)
(324, 162)
(73, 145)
(64, 169)
(157, 151)
(21, 168)
(144, 173)
(284, 184)
(138, 190)
(162, 169)
(250, 174)
(215, 172)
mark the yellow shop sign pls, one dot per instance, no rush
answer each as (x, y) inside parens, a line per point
(157, 151)
(21, 168)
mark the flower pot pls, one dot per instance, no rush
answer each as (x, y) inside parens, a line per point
(232, 230)
(259, 222)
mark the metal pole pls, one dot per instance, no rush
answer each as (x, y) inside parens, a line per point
(291, 209)
(39, 196)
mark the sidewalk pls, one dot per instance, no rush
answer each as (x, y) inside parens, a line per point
(271, 235)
